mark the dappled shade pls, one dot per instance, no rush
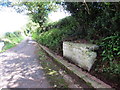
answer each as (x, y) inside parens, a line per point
(19, 67)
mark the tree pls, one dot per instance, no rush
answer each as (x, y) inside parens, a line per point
(101, 17)
(38, 11)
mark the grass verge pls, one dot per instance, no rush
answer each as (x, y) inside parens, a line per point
(52, 71)
(9, 43)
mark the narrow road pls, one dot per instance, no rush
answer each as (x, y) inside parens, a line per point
(20, 68)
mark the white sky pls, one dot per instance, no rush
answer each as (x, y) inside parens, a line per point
(10, 20)
(59, 14)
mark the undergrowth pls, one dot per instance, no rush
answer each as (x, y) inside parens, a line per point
(54, 37)
(69, 28)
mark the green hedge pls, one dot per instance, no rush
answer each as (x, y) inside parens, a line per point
(59, 31)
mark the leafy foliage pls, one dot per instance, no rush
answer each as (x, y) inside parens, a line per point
(59, 31)
(97, 19)
(38, 11)
(110, 54)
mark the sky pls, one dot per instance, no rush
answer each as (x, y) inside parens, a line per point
(59, 14)
(11, 21)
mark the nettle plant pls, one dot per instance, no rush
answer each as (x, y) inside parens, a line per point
(111, 54)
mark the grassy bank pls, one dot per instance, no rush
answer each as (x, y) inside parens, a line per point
(11, 40)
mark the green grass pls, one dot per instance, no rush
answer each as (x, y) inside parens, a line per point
(11, 43)
(8, 46)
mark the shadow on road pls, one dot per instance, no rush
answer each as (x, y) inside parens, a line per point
(20, 68)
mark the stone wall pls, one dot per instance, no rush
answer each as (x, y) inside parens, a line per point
(81, 54)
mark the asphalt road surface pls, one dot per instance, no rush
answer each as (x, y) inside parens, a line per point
(20, 68)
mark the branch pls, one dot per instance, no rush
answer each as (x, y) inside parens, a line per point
(88, 10)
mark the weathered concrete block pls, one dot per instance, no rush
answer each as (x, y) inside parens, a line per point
(81, 54)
